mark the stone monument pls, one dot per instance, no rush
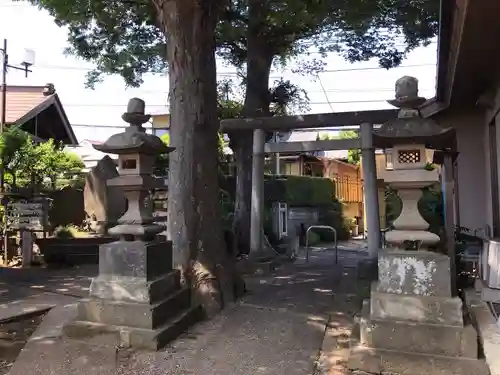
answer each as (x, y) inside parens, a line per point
(412, 324)
(101, 201)
(137, 296)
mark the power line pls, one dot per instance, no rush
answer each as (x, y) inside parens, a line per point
(324, 92)
(165, 106)
(235, 74)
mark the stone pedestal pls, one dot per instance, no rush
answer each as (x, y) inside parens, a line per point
(137, 297)
(412, 324)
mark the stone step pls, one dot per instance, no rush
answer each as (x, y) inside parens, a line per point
(135, 289)
(421, 309)
(150, 339)
(133, 314)
(413, 337)
(369, 360)
(380, 361)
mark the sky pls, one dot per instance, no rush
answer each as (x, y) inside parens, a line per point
(96, 114)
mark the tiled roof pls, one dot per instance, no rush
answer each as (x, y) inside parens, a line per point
(22, 99)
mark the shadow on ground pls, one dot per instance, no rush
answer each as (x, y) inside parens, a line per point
(293, 322)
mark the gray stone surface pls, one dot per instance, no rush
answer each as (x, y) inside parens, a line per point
(424, 309)
(139, 315)
(136, 298)
(148, 260)
(487, 327)
(133, 336)
(135, 289)
(103, 203)
(411, 324)
(422, 273)
(31, 305)
(378, 361)
(432, 339)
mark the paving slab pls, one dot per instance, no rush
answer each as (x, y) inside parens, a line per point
(74, 281)
(33, 304)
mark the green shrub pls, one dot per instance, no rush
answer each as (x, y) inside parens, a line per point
(299, 190)
(69, 231)
(314, 238)
(430, 207)
(64, 232)
(333, 216)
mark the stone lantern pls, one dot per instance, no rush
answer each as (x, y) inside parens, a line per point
(412, 317)
(137, 296)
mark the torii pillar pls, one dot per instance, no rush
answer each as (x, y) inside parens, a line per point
(370, 189)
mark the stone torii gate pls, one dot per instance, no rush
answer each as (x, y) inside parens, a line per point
(365, 119)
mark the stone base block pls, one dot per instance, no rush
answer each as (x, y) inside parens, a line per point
(421, 273)
(135, 289)
(148, 260)
(414, 337)
(137, 297)
(151, 339)
(379, 361)
(422, 309)
(133, 314)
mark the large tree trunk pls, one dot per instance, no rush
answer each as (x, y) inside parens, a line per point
(194, 218)
(259, 60)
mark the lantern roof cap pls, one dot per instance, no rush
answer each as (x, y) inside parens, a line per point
(134, 140)
(410, 127)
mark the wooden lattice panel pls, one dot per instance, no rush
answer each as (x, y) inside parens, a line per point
(409, 156)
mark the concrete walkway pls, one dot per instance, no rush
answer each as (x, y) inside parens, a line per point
(32, 290)
(295, 322)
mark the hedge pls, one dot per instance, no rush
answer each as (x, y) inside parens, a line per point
(430, 207)
(294, 190)
(299, 190)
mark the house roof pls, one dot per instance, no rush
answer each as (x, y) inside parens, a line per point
(38, 111)
(20, 100)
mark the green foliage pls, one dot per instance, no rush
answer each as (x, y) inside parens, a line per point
(166, 138)
(299, 190)
(69, 231)
(287, 98)
(353, 155)
(126, 40)
(25, 161)
(333, 216)
(430, 207)
(314, 238)
(64, 232)
(161, 162)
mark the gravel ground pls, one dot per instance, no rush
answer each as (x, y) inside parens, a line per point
(13, 337)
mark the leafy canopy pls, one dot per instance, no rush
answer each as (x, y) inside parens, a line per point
(121, 37)
(353, 155)
(24, 159)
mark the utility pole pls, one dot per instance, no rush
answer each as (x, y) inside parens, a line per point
(28, 60)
